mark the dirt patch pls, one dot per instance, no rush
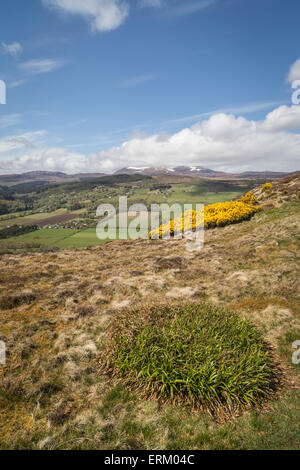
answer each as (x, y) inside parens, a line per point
(167, 263)
(57, 219)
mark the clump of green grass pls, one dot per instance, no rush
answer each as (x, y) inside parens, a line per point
(195, 354)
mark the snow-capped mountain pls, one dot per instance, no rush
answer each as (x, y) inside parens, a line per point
(178, 170)
(198, 171)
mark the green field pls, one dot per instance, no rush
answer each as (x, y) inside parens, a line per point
(43, 237)
(52, 238)
(80, 239)
(201, 194)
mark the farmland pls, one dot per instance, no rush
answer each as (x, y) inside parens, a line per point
(31, 219)
(66, 213)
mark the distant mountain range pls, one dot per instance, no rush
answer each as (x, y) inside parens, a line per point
(199, 171)
(190, 171)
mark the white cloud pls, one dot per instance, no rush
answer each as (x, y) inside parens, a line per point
(36, 67)
(28, 140)
(9, 120)
(282, 119)
(246, 109)
(103, 15)
(51, 159)
(222, 142)
(138, 80)
(13, 49)
(294, 73)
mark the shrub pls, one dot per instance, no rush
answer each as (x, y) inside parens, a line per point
(267, 187)
(249, 198)
(215, 215)
(195, 354)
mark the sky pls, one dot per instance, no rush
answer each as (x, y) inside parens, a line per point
(98, 85)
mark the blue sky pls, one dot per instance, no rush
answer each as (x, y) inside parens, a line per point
(95, 85)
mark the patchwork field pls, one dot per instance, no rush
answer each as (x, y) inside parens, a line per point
(56, 311)
(77, 208)
(39, 218)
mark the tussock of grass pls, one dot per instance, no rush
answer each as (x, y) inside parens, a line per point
(8, 302)
(194, 353)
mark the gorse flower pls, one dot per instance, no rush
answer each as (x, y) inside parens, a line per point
(215, 215)
(267, 186)
(249, 198)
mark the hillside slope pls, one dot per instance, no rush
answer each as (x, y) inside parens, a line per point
(283, 189)
(55, 308)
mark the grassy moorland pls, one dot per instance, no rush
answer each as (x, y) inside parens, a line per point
(57, 310)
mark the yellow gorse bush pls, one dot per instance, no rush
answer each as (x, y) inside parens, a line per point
(215, 215)
(249, 198)
(267, 186)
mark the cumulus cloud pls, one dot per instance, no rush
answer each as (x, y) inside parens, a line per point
(221, 142)
(13, 49)
(103, 15)
(52, 159)
(283, 118)
(294, 73)
(249, 108)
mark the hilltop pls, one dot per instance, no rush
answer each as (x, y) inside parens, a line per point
(56, 307)
(45, 176)
(200, 171)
